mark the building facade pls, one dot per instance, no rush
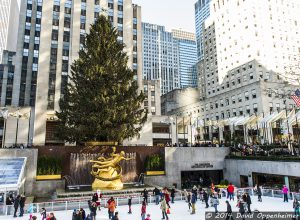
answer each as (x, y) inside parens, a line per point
(202, 12)
(9, 23)
(50, 36)
(152, 100)
(187, 53)
(160, 57)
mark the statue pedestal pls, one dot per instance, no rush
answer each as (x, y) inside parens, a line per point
(107, 185)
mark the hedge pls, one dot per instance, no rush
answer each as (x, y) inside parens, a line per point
(49, 166)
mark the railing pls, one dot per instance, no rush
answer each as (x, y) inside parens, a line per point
(80, 203)
(77, 204)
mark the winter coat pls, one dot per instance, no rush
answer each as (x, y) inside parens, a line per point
(241, 207)
(285, 190)
(215, 201)
(205, 196)
(194, 198)
(22, 202)
(172, 192)
(189, 198)
(259, 191)
(129, 201)
(112, 206)
(163, 205)
(16, 203)
(230, 189)
(143, 210)
(229, 209)
(156, 192)
(248, 200)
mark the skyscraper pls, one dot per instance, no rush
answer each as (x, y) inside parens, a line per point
(187, 52)
(9, 22)
(202, 11)
(160, 57)
(50, 37)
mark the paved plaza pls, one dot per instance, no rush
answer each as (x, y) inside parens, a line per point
(179, 210)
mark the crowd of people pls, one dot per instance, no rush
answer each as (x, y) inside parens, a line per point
(164, 198)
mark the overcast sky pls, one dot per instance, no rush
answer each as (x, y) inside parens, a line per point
(170, 13)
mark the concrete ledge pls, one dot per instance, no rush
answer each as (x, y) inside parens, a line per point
(48, 187)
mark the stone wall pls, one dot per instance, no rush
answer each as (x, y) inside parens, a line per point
(47, 187)
(31, 165)
(182, 159)
(235, 168)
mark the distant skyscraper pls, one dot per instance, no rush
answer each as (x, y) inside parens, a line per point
(9, 20)
(202, 11)
(187, 51)
(160, 57)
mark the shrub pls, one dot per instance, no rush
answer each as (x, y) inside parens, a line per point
(49, 166)
(155, 163)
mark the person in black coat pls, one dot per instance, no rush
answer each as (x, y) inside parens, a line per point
(241, 209)
(22, 205)
(259, 193)
(16, 205)
(145, 195)
(248, 201)
(229, 211)
(172, 194)
(205, 198)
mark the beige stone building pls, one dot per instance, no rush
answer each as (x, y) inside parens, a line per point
(50, 35)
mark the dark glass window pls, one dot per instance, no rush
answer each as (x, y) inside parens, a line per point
(111, 5)
(54, 35)
(83, 12)
(66, 36)
(56, 8)
(67, 22)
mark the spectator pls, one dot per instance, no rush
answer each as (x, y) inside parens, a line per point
(230, 191)
(111, 207)
(16, 205)
(285, 191)
(22, 205)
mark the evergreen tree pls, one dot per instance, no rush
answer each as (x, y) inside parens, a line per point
(101, 102)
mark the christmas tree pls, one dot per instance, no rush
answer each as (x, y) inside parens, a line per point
(101, 101)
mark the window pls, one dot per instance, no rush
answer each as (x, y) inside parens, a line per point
(54, 35)
(67, 22)
(66, 36)
(251, 75)
(240, 98)
(255, 107)
(233, 99)
(254, 94)
(271, 106)
(247, 95)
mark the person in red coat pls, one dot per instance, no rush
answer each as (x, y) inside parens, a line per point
(230, 191)
(167, 196)
(143, 210)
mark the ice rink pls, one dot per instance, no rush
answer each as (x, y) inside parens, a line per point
(179, 210)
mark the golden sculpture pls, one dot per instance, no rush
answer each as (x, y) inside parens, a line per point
(108, 172)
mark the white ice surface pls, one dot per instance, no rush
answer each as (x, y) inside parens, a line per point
(179, 210)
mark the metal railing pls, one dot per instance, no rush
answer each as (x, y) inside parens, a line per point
(120, 201)
(77, 204)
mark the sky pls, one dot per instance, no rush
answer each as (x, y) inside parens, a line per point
(174, 14)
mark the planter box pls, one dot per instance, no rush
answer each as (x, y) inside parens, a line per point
(155, 173)
(48, 177)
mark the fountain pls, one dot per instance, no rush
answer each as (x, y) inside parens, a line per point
(80, 168)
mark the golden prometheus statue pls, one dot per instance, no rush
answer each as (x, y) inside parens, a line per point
(108, 172)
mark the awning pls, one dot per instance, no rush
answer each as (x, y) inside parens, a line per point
(280, 115)
(245, 120)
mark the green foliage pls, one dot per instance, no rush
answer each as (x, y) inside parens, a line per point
(224, 182)
(155, 162)
(101, 101)
(49, 166)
